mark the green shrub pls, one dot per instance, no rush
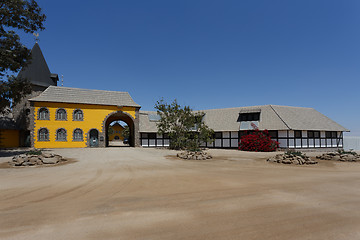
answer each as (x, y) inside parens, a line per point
(34, 152)
(342, 151)
(294, 153)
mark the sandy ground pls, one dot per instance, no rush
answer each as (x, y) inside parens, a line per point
(128, 193)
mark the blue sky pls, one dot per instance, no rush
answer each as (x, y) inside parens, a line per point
(211, 53)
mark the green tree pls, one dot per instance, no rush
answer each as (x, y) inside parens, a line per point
(110, 130)
(26, 16)
(186, 128)
(126, 132)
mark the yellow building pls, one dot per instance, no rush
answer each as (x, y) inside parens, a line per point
(115, 132)
(71, 117)
(9, 133)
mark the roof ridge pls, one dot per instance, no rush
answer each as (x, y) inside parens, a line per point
(289, 106)
(279, 117)
(87, 89)
(232, 108)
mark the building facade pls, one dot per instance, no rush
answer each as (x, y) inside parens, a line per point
(40, 77)
(72, 117)
(115, 132)
(292, 127)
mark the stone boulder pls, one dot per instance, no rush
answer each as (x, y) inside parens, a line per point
(292, 159)
(191, 155)
(34, 159)
(340, 156)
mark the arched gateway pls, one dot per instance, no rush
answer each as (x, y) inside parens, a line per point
(129, 120)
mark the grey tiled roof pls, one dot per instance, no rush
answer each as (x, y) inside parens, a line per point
(300, 118)
(272, 117)
(145, 125)
(85, 96)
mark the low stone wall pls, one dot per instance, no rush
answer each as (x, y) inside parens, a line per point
(32, 160)
(194, 155)
(292, 159)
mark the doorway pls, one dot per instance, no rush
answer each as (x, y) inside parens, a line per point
(94, 138)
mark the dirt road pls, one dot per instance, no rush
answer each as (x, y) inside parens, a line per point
(127, 193)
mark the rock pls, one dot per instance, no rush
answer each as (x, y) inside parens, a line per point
(33, 159)
(28, 164)
(349, 157)
(292, 159)
(194, 155)
(311, 162)
(52, 160)
(296, 162)
(19, 161)
(48, 155)
(337, 156)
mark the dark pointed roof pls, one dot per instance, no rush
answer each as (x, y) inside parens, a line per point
(37, 71)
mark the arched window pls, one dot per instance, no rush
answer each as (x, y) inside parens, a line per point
(78, 135)
(61, 135)
(61, 114)
(78, 115)
(43, 114)
(43, 134)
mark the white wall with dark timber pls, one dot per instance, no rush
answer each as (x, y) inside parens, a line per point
(310, 139)
(286, 138)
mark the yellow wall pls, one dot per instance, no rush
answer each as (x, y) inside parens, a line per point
(9, 138)
(117, 131)
(94, 115)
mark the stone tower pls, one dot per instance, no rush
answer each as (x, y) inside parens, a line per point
(38, 74)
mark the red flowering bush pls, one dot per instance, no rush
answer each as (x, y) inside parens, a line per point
(258, 141)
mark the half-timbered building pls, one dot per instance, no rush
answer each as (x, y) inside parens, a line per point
(292, 127)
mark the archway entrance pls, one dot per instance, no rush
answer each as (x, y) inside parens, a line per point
(125, 121)
(118, 134)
